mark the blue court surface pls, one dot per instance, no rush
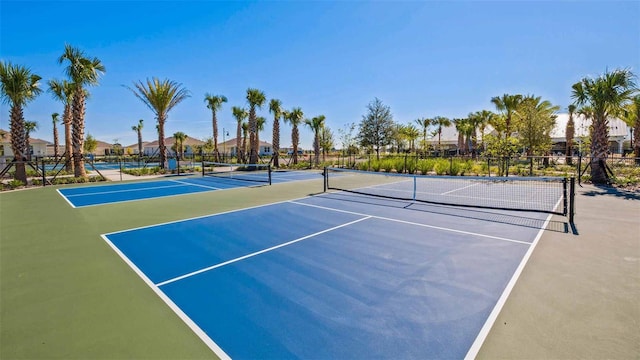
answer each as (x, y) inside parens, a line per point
(336, 276)
(121, 192)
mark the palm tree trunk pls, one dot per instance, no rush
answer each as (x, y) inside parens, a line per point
(78, 133)
(239, 154)
(599, 149)
(18, 141)
(55, 142)
(253, 149)
(276, 142)
(316, 148)
(295, 137)
(214, 120)
(67, 118)
(139, 143)
(161, 146)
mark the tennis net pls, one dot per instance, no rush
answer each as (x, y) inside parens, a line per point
(534, 194)
(241, 172)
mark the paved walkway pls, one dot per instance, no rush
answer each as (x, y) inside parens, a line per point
(579, 295)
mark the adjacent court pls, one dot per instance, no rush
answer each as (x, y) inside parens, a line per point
(172, 186)
(337, 275)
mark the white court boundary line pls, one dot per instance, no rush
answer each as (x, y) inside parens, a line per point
(124, 191)
(150, 188)
(258, 252)
(190, 323)
(493, 316)
(414, 223)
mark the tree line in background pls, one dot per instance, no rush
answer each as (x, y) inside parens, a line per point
(522, 123)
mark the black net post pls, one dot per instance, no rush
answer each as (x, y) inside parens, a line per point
(269, 172)
(325, 174)
(489, 166)
(564, 197)
(44, 176)
(572, 199)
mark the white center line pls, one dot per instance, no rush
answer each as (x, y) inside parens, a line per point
(258, 252)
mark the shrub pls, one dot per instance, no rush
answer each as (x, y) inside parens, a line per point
(441, 167)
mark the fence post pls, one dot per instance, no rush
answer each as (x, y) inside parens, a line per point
(44, 176)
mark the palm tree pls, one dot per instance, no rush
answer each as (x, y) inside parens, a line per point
(606, 95)
(411, 133)
(179, 138)
(316, 124)
(424, 124)
(294, 117)
(482, 119)
(245, 132)
(18, 86)
(275, 107)
(29, 126)
(508, 105)
(569, 134)
(256, 99)
(138, 130)
(214, 102)
(440, 122)
(54, 120)
(160, 96)
(260, 121)
(83, 72)
(240, 114)
(62, 90)
(466, 131)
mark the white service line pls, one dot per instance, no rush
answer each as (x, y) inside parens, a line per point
(462, 188)
(258, 252)
(416, 224)
(204, 186)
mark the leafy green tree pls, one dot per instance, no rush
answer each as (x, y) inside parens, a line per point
(138, 131)
(214, 103)
(326, 141)
(240, 114)
(295, 117)
(570, 133)
(82, 71)
(256, 99)
(536, 119)
(160, 96)
(606, 96)
(90, 144)
(316, 124)
(348, 140)
(376, 126)
(18, 86)
(275, 107)
(62, 90)
(54, 121)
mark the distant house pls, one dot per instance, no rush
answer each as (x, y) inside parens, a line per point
(38, 147)
(190, 146)
(133, 148)
(229, 148)
(619, 132)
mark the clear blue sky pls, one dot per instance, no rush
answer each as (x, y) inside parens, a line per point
(422, 58)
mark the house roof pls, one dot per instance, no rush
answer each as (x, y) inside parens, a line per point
(232, 143)
(169, 141)
(7, 139)
(617, 127)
